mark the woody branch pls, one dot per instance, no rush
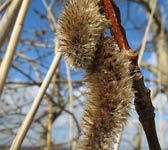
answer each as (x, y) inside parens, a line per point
(142, 99)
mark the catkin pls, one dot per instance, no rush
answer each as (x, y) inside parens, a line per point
(79, 30)
(109, 98)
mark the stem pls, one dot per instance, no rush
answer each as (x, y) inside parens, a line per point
(36, 103)
(142, 100)
(7, 60)
(113, 13)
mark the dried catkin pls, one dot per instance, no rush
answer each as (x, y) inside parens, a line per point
(109, 97)
(79, 30)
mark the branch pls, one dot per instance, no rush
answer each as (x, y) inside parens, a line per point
(31, 114)
(151, 68)
(147, 33)
(71, 109)
(113, 13)
(7, 60)
(4, 5)
(142, 100)
(8, 19)
(157, 17)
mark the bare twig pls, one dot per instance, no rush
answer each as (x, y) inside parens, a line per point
(139, 138)
(4, 68)
(8, 19)
(160, 109)
(49, 126)
(142, 100)
(4, 5)
(118, 30)
(30, 116)
(147, 32)
(50, 15)
(70, 106)
(36, 44)
(151, 68)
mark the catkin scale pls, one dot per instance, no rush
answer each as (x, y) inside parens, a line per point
(79, 30)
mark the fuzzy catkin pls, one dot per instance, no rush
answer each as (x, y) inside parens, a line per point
(109, 98)
(79, 30)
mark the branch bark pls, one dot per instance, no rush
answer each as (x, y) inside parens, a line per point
(31, 114)
(7, 60)
(8, 19)
(4, 5)
(113, 13)
(142, 99)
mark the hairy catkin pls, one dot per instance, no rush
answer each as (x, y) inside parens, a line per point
(79, 30)
(109, 97)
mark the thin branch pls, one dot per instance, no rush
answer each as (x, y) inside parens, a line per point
(80, 82)
(25, 74)
(4, 5)
(8, 20)
(151, 68)
(142, 100)
(118, 30)
(147, 32)
(146, 6)
(31, 114)
(6, 62)
(70, 106)
(50, 15)
(49, 126)
(36, 44)
(160, 109)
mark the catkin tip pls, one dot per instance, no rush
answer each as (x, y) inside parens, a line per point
(79, 30)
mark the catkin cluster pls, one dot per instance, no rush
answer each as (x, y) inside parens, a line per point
(80, 30)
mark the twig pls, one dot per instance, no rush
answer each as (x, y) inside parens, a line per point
(146, 33)
(160, 109)
(113, 14)
(151, 68)
(49, 126)
(142, 100)
(70, 106)
(4, 68)
(4, 5)
(8, 19)
(50, 15)
(31, 114)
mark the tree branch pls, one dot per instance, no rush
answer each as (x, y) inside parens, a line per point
(113, 13)
(142, 100)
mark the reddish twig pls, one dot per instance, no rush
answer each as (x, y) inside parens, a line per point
(142, 100)
(113, 14)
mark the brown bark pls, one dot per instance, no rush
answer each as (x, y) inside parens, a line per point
(142, 99)
(113, 13)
